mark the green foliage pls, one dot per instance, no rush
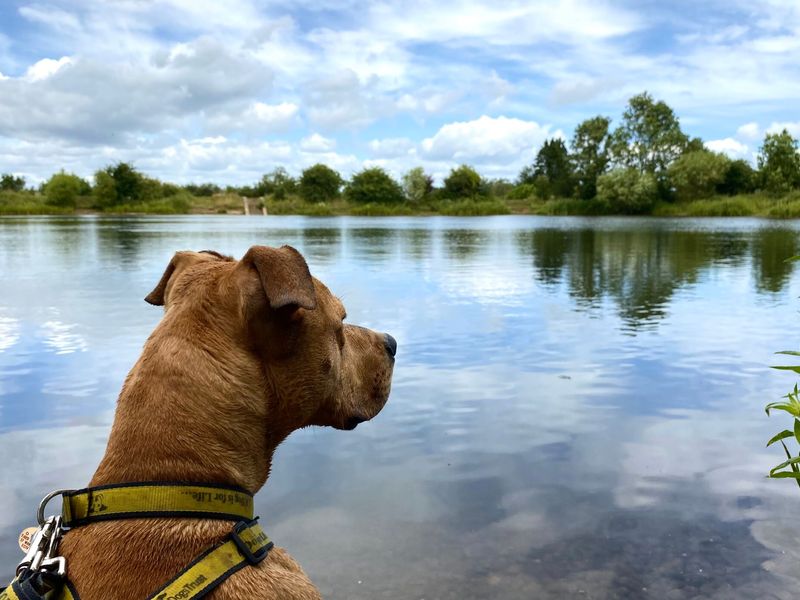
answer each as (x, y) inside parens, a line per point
(175, 205)
(463, 182)
(627, 191)
(319, 183)
(473, 207)
(522, 191)
(128, 182)
(696, 174)
(63, 189)
(590, 147)
(203, 190)
(649, 138)
(277, 183)
(571, 206)
(104, 191)
(417, 185)
(498, 188)
(373, 209)
(779, 163)
(740, 178)
(551, 172)
(11, 183)
(790, 405)
(374, 185)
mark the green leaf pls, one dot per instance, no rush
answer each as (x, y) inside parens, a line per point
(785, 475)
(797, 430)
(789, 352)
(791, 408)
(786, 463)
(782, 436)
(794, 368)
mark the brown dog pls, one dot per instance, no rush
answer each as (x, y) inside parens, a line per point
(247, 352)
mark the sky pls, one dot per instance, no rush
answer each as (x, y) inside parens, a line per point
(204, 90)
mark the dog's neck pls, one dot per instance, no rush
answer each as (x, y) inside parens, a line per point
(184, 415)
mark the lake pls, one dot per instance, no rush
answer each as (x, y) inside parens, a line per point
(577, 407)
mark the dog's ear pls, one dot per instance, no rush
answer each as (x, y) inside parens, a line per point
(284, 276)
(179, 262)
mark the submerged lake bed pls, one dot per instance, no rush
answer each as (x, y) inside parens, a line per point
(577, 406)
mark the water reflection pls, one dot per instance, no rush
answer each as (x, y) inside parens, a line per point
(576, 409)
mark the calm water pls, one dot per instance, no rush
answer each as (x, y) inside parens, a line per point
(576, 409)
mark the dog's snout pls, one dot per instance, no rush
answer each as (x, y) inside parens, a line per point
(391, 344)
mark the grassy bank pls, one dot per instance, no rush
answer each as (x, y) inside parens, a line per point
(750, 205)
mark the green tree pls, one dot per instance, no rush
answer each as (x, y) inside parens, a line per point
(740, 178)
(590, 154)
(11, 183)
(128, 182)
(319, 183)
(627, 191)
(417, 185)
(202, 189)
(374, 185)
(649, 137)
(63, 189)
(277, 183)
(779, 163)
(697, 174)
(552, 163)
(104, 191)
(463, 182)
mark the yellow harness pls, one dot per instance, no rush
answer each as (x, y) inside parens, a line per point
(42, 574)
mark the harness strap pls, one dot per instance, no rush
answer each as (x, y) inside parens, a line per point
(156, 499)
(246, 545)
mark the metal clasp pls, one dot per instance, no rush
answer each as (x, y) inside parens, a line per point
(43, 552)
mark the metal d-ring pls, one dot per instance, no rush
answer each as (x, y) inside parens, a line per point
(43, 504)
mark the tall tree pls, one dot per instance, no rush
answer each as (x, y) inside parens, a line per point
(551, 169)
(779, 163)
(590, 154)
(649, 137)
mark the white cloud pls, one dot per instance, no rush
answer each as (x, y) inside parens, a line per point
(729, 146)
(46, 67)
(317, 143)
(793, 127)
(749, 131)
(486, 139)
(391, 147)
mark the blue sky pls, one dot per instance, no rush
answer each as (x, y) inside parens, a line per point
(201, 90)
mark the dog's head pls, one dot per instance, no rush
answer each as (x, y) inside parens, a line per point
(317, 370)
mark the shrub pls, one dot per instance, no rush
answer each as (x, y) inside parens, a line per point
(462, 182)
(417, 185)
(63, 189)
(11, 183)
(522, 191)
(695, 175)
(740, 178)
(779, 163)
(319, 183)
(105, 190)
(627, 191)
(374, 185)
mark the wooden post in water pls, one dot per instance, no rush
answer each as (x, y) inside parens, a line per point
(264, 209)
(246, 205)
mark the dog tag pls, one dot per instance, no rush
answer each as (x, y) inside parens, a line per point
(25, 538)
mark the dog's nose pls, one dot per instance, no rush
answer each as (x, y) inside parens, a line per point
(391, 344)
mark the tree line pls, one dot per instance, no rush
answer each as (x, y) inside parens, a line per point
(646, 159)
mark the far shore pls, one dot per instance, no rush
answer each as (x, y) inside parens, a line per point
(745, 205)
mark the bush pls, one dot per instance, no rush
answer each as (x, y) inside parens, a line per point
(474, 208)
(417, 185)
(695, 175)
(522, 191)
(463, 182)
(11, 183)
(203, 189)
(374, 185)
(627, 191)
(779, 163)
(63, 189)
(105, 190)
(278, 183)
(319, 183)
(740, 178)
